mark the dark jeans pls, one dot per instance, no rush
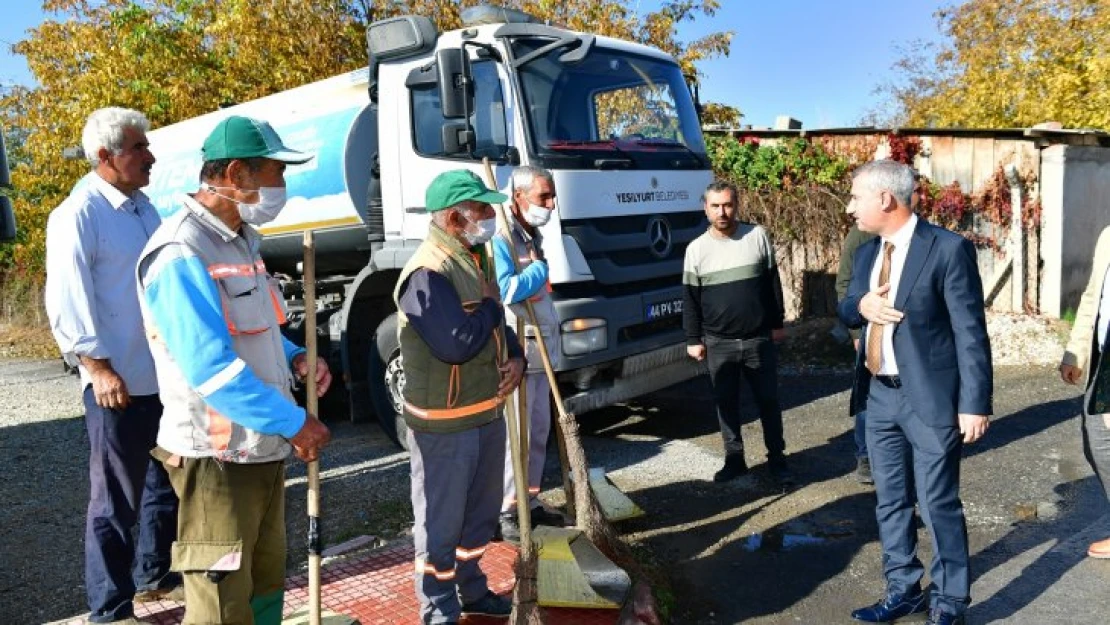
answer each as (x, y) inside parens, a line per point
(756, 361)
(126, 487)
(861, 434)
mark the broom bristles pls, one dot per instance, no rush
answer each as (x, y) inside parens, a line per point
(588, 515)
(526, 609)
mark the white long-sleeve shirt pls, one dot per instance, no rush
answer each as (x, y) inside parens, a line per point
(901, 241)
(93, 242)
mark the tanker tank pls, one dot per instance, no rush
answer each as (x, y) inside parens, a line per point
(330, 119)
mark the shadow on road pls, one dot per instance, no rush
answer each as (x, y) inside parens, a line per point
(1025, 423)
(1036, 577)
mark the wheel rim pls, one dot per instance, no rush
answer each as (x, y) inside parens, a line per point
(395, 381)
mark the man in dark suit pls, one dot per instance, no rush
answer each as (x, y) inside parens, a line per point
(924, 377)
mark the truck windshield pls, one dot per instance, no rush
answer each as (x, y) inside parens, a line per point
(613, 108)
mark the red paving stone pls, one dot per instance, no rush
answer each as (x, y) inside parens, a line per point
(377, 589)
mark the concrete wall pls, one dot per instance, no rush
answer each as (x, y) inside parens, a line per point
(1075, 200)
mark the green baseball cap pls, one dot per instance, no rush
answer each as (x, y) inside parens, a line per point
(243, 137)
(458, 185)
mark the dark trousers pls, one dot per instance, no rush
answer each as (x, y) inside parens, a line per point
(860, 434)
(1096, 426)
(754, 360)
(126, 487)
(456, 499)
(860, 431)
(912, 462)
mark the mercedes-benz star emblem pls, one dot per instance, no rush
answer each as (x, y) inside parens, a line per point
(659, 236)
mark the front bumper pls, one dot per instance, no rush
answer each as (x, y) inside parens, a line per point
(637, 375)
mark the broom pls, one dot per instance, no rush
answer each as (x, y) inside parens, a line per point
(526, 591)
(581, 500)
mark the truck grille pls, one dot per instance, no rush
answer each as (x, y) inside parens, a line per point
(620, 250)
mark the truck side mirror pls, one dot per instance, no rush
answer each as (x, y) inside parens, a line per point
(692, 85)
(7, 220)
(7, 215)
(456, 91)
(458, 137)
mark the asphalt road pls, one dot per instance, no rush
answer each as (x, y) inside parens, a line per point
(740, 552)
(749, 552)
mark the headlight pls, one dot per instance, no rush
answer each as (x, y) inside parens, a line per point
(582, 336)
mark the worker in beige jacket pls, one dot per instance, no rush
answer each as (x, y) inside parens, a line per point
(1086, 359)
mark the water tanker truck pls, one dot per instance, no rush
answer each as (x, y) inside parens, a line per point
(615, 123)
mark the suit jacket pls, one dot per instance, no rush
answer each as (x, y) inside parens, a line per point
(1081, 344)
(941, 345)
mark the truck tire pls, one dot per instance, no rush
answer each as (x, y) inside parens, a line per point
(387, 379)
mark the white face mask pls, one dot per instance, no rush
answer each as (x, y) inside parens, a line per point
(486, 228)
(270, 202)
(537, 215)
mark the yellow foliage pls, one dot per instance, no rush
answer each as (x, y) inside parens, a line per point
(176, 59)
(1012, 63)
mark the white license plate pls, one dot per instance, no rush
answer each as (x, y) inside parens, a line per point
(667, 308)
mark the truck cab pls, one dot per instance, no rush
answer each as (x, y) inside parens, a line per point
(612, 120)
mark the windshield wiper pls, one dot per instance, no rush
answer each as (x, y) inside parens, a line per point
(671, 143)
(599, 144)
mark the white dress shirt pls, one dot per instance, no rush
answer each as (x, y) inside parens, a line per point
(93, 242)
(901, 241)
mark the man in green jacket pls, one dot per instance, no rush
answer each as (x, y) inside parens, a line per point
(459, 368)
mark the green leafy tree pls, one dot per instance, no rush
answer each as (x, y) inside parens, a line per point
(1009, 63)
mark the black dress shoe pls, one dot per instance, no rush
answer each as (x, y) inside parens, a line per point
(891, 608)
(936, 617)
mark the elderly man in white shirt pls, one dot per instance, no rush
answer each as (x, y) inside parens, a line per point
(93, 241)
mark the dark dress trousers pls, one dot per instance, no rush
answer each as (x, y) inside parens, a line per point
(944, 368)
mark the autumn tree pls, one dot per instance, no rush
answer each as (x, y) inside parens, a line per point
(715, 113)
(175, 59)
(168, 58)
(1010, 63)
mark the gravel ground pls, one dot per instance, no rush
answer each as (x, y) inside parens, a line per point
(44, 461)
(706, 531)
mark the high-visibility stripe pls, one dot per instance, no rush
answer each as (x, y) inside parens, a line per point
(279, 311)
(464, 554)
(219, 270)
(510, 292)
(219, 430)
(427, 569)
(218, 381)
(533, 490)
(454, 413)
